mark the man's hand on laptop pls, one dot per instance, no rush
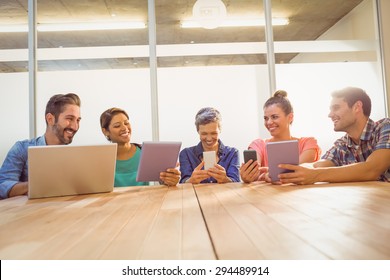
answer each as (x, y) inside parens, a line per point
(20, 188)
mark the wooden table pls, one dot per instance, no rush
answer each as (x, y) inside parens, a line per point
(154, 222)
(209, 221)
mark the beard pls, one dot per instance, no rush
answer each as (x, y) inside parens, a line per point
(60, 132)
(344, 125)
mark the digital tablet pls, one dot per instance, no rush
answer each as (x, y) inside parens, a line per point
(285, 152)
(157, 156)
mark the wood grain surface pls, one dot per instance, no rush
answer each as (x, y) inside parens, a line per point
(207, 221)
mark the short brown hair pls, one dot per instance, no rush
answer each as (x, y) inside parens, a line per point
(56, 104)
(353, 94)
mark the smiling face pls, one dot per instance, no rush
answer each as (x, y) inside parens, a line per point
(119, 129)
(209, 135)
(343, 116)
(66, 125)
(276, 121)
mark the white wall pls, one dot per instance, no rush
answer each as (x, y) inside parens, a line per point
(309, 87)
(235, 91)
(239, 92)
(13, 110)
(182, 92)
(98, 91)
(359, 24)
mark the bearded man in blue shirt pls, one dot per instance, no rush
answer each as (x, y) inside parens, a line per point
(62, 117)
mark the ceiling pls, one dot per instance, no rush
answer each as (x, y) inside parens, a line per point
(308, 19)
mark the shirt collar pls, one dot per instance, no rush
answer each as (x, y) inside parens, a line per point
(366, 133)
(41, 140)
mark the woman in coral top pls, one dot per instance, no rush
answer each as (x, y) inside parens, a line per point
(278, 116)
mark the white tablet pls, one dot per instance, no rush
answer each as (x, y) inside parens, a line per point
(285, 152)
(157, 156)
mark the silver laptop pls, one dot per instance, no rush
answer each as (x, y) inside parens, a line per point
(59, 170)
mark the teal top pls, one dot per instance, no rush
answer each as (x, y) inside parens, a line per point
(126, 171)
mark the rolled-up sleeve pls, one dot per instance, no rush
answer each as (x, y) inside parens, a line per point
(383, 141)
(333, 155)
(12, 170)
(187, 164)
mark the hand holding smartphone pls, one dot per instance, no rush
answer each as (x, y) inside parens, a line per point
(250, 155)
(209, 159)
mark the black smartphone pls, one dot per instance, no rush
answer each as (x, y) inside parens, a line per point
(250, 154)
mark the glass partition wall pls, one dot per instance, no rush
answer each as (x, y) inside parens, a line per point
(319, 46)
(14, 85)
(205, 63)
(102, 55)
(334, 46)
(209, 53)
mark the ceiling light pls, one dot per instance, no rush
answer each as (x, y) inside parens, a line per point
(209, 13)
(14, 28)
(85, 26)
(90, 26)
(236, 23)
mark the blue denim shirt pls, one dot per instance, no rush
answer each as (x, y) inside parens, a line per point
(15, 165)
(191, 157)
